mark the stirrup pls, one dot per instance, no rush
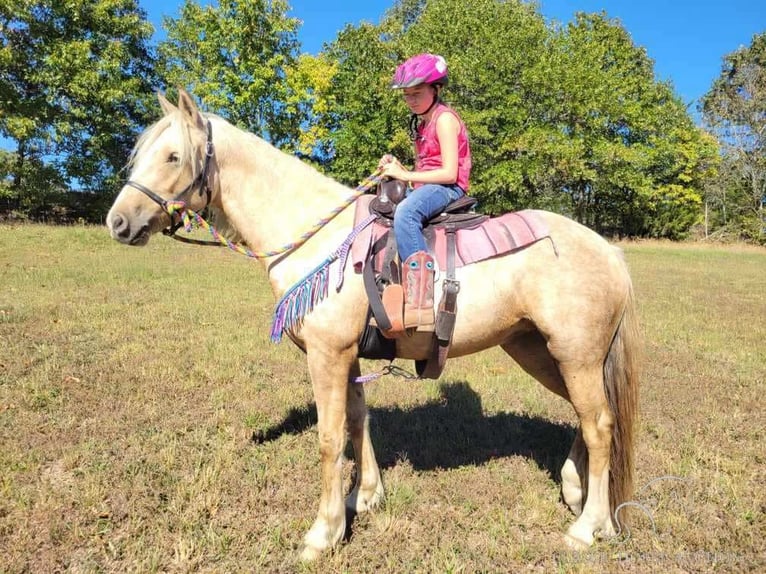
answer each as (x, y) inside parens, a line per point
(393, 303)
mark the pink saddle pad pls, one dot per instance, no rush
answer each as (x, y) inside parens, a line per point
(496, 236)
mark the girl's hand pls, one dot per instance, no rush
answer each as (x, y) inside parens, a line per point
(385, 160)
(394, 170)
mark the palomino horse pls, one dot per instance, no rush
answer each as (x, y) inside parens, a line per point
(566, 315)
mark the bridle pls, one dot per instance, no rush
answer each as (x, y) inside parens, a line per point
(199, 184)
(182, 216)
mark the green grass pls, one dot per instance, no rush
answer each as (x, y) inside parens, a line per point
(148, 425)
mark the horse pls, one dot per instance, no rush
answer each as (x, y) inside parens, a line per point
(564, 310)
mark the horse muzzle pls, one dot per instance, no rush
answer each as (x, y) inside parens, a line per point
(127, 231)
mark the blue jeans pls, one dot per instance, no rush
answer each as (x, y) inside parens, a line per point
(420, 205)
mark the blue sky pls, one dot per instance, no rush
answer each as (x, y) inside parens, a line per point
(687, 39)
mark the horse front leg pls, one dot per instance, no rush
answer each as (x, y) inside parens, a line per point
(368, 491)
(329, 370)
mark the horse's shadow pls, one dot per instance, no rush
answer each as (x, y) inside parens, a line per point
(450, 432)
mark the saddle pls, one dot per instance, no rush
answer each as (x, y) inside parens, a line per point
(455, 238)
(382, 269)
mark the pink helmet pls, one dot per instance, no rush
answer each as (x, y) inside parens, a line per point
(420, 69)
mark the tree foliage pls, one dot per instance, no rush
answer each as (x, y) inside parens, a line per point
(362, 123)
(735, 111)
(567, 118)
(235, 56)
(308, 83)
(638, 160)
(74, 77)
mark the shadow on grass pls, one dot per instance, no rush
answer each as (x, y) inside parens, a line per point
(450, 432)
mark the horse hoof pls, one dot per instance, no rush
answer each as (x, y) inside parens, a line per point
(361, 503)
(576, 544)
(309, 553)
(320, 538)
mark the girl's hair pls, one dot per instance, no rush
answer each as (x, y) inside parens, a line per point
(412, 127)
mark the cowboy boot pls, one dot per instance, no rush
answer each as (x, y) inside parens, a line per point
(418, 271)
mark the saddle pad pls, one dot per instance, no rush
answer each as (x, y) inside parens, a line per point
(496, 236)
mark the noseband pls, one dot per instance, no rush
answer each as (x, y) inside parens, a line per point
(198, 184)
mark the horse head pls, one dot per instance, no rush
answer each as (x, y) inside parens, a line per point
(170, 165)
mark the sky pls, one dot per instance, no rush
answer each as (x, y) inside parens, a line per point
(687, 39)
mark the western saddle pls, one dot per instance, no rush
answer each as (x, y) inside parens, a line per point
(382, 270)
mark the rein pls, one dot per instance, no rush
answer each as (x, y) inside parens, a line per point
(190, 217)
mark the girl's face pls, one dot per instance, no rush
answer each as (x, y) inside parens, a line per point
(419, 98)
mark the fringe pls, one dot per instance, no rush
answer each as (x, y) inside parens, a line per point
(301, 299)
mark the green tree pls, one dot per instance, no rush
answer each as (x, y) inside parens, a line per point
(735, 111)
(235, 56)
(363, 122)
(620, 143)
(309, 97)
(565, 118)
(73, 76)
(35, 190)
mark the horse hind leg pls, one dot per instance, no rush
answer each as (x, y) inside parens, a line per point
(529, 349)
(596, 428)
(368, 491)
(605, 398)
(572, 474)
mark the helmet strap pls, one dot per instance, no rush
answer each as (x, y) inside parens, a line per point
(415, 118)
(433, 104)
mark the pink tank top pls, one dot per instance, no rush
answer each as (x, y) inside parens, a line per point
(428, 150)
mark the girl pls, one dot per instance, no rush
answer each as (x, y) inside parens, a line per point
(442, 169)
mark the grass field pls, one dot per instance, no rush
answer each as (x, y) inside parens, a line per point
(148, 425)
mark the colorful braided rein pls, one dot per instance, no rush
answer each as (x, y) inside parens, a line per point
(189, 218)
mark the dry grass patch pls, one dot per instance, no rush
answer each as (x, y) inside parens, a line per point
(148, 425)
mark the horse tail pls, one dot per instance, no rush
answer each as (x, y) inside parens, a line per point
(621, 376)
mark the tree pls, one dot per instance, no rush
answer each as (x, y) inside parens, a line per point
(620, 144)
(74, 76)
(308, 84)
(734, 109)
(363, 122)
(235, 57)
(564, 118)
(32, 191)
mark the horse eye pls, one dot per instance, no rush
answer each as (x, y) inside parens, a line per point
(173, 158)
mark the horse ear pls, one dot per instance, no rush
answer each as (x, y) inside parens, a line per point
(165, 104)
(189, 109)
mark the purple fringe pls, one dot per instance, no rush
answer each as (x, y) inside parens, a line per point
(343, 251)
(301, 299)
